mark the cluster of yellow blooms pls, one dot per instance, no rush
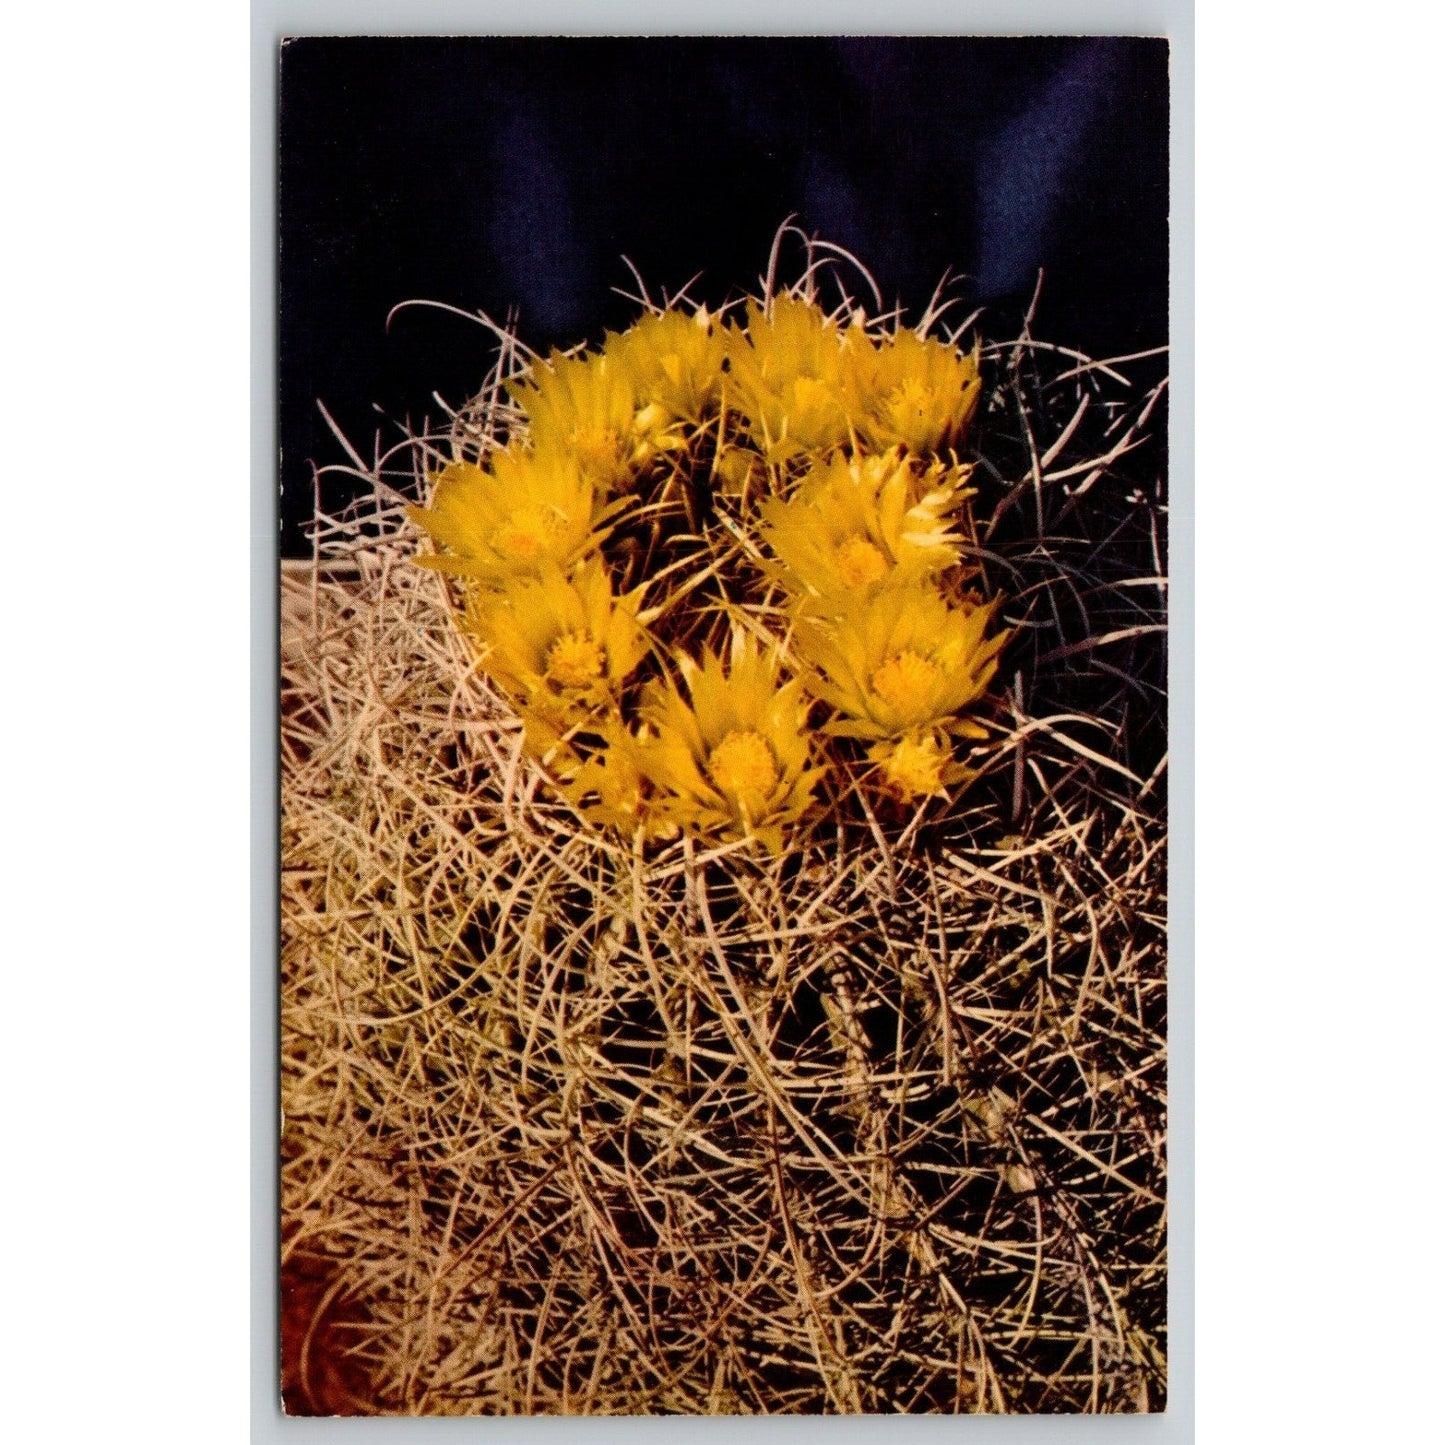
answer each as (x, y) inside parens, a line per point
(784, 503)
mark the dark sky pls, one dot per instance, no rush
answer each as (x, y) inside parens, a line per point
(513, 174)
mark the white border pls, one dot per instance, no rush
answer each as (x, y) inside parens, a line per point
(126, 807)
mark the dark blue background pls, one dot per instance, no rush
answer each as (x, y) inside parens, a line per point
(514, 174)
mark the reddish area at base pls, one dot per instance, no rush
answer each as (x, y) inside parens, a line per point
(333, 1381)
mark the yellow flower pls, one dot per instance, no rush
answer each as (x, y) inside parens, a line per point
(899, 660)
(856, 523)
(794, 378)
(918, 765)
(731, 759)
(924, 393)
(526, 511)
(586, 409)
(562, 648)
(674, 361)
(609, 787)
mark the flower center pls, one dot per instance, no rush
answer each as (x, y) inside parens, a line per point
(905, 681)
(597, 448)
(742, 765)
(860, 562)
(574, 660)
(528, 533)
(914, 767)
(809, 391)
(912, 402)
